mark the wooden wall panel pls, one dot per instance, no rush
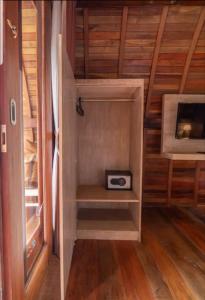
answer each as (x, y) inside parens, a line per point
(201, 184)
(143, 23)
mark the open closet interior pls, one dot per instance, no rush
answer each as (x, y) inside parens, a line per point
(109, 137)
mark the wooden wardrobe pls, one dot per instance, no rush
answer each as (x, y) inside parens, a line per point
(109, 136)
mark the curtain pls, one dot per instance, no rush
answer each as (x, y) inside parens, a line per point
(56, 30)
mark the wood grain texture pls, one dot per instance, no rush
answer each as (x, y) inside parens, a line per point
(106, 224)
(91, 193)
(196, 35)
(122, 39)
(140, 39)
(102, 148)
(156, 54)
(110, 137)
(121, 3)
(67, 157)
(51, 279)
(167, 265)
(11, 168)
(86, 42)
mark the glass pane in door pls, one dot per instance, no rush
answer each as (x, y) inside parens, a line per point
(34, 237)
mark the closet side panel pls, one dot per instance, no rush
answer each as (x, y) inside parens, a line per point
(136, 154)
(67, 164)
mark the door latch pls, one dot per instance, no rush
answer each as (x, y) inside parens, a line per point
(3, 139)
(13, 29)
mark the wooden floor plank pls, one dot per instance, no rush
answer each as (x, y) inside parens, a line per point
(51, 285)
(193, 230)
(184, 256)
(134, 277)
(169, 264)
(158, 285)
(109, 273)
(172, 277)
(83, 282)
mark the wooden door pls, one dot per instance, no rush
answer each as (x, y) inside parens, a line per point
(10, 159)
(67, 158)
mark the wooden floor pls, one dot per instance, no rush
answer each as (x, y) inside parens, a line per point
(50, 289)
(168, 264)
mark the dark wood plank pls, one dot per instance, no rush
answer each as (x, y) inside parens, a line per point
(183, 256)
(196, 187)
(120, 3)
(86, 42)
(192, 47)
(156, 55)
(169, 187)
(194, 231)
(83, 284)
(109, 273)
(159, 287)
(122, 39)
(165, 266)
(134, 277)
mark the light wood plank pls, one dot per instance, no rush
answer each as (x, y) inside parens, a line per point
(104, 224)
(100, 194)
(67, 157)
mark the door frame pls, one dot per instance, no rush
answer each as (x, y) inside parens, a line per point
(46, 127)
(11, 170)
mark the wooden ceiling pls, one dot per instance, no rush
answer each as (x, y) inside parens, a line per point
(164, 44)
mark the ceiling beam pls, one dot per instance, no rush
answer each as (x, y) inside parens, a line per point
(156, 55)
(86, 41)
(192, 47)
(131, 3)
(122, 40)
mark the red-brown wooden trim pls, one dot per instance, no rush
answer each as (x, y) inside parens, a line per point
(132, 3)
(196, 183)
(169, 184)
(10, 162)
(122, 39)
(70, 28)
(197, 32)
(86, 41)
(156, 55)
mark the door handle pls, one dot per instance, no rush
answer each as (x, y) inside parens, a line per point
(3, 139)
(13, 28)
(13, 111)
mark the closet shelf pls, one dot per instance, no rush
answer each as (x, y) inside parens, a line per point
(92, 193)
(106, 224)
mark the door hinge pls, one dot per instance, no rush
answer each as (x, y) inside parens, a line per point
(3, 139)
